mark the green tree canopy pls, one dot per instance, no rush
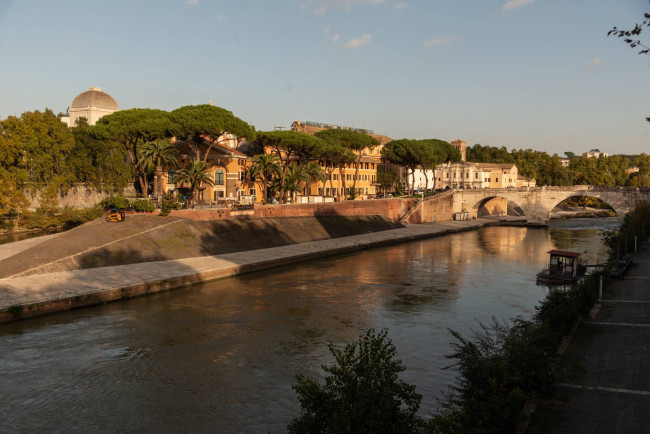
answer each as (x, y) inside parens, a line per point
(352, 140)
(362, 392)
(289, 147)
(209, 123)
(132, 129)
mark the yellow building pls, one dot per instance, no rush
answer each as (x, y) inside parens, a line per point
(338, 184)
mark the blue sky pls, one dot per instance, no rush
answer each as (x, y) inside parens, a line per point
(538, 74)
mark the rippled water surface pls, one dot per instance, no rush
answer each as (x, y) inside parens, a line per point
(221, 357)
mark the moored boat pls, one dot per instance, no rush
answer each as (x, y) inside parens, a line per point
(563, 267)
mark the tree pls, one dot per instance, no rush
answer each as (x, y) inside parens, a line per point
(352, 140)
(266, 167)
(642, 161)
(158, 154)
(132, 129)
(289, 147)
(100, 163)
(362, 392)
(314, 173)
(43, 143)
(386, 179)
(209, 123)
(195, 174)
(630, 36)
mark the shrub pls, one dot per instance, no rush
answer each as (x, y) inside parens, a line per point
(504, 364)
(143, 205)
(362, 393)
(168, 204)
(118, 201)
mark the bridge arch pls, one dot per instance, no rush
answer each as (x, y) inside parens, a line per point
(496, 206)
(592, 196)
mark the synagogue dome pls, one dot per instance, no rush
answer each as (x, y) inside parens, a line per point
(94, 97)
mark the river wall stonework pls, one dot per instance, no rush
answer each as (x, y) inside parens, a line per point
(79, 196)
(390, 208)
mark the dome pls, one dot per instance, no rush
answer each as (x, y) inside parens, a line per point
(94, 97)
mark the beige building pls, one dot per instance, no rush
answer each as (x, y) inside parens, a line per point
(92, 105)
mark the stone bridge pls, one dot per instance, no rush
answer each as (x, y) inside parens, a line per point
(536, 203)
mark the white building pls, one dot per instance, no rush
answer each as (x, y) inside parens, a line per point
(595, 153)
(92, 105)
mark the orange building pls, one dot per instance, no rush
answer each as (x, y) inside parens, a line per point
(339, 184)
(228, 166)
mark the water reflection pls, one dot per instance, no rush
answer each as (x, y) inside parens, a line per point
(221, 357)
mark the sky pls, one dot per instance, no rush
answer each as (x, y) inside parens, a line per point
(524, 74)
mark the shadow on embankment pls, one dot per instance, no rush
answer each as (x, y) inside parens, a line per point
(149, 238)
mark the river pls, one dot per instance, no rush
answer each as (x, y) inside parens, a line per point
(222, 356)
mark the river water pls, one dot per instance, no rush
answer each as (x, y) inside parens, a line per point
(222, 356)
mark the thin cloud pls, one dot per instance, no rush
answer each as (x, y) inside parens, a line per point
(399, 6)
(319, 11)
(595, 62)
(345, 4)
(191, 2)
(438, 40)
(326, 30)
(511, 5)
(334, 38)
(222, 18)
(358, 42)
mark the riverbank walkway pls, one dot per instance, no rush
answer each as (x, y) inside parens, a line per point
(39, 294)
(605, 383)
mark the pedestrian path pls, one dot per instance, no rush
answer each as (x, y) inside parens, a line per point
(606, 386)
(38, 294)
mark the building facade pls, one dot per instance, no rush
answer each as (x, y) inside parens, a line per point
(227, 166)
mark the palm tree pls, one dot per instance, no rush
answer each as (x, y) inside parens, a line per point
(294, 178)
(158, 154)
(195, 175)
(314, 172)
(266, 166)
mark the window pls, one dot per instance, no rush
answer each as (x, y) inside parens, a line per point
(217, 195)
(218, 177)
(242, 176)
(252, 192)
(170, 176)
(348, 177)
(336, 177)
(476, 176)
(496, 179)
(327, 191)
(373, 178)
(467, 175)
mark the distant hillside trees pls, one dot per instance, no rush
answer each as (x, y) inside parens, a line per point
(548, 169)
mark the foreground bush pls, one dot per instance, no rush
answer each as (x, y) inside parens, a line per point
(505, 364)
(362, 393)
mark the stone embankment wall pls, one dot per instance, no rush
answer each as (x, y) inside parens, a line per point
(434, 209)
(79, 196)
(392, 209)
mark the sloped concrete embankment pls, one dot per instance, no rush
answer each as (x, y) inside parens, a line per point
(149, 238)
(38, 294)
